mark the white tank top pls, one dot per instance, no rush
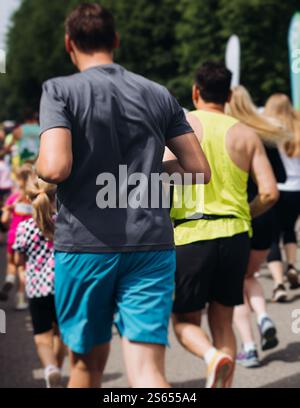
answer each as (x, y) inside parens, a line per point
(292, 168)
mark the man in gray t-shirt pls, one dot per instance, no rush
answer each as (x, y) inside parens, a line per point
(116, 119)
(103, 136)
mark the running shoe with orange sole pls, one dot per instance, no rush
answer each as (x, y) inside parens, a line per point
(219, 371)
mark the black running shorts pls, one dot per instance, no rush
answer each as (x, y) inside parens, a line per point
(265, 230)
(43, 314)
(211, 271)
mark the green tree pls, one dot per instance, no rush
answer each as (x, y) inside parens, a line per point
(35, 53)
(198, 39)
(164, 40)
(147, 32)
(262, 26)
(36, 47)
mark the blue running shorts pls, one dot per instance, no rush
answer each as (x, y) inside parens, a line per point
(135, 288)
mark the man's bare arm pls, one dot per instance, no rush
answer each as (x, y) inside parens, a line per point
(55, 160)
(185, 155)
(264, 178)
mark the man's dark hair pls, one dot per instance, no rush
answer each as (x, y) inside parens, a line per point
(213, 80)
(91, 27)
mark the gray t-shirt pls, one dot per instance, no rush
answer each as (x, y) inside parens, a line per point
(116, 119)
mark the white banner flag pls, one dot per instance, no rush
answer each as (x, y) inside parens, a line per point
(233, 59)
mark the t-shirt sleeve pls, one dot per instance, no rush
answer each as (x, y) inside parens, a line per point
(54, 112)
(177, 123)
(20, 244)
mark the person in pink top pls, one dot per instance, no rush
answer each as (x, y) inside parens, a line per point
(17, 208)
(5, 189)
(5, 179)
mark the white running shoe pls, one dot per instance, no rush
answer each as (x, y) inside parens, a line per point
(219, 370)
(52, 377)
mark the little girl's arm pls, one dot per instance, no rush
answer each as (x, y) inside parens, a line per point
(6, 215)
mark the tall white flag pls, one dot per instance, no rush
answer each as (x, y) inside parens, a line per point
(233, 59)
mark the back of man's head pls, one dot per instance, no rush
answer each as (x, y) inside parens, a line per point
(91, 27)
(213, 80)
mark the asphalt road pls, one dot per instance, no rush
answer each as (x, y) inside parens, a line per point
(20, 368)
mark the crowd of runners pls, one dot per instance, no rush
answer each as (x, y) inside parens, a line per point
(81, 265)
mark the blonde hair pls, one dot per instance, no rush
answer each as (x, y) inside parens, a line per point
(42, 196)
(242, 108)
(279, 107)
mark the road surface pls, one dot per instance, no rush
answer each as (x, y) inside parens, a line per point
(19, 365)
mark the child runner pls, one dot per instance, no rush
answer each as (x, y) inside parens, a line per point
(34, 248)
(17, 209)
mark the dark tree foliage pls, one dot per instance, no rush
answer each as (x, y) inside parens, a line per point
(262, 26)
(198, 39)
(164, 40)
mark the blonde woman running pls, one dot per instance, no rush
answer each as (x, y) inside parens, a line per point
(242, 108)
(288, 208)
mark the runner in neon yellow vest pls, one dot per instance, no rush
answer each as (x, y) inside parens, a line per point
(213, 251)
(226, 194)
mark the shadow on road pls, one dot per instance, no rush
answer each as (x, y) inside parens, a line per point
(106, 378)
(291, 354)
(111, 377)
(198, 383)
(294, 298)
(292, 381)
(291, 299)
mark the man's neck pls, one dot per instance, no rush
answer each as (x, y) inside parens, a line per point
(84, 61)
(211, 107)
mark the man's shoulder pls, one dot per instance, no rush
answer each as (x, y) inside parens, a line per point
(77, 81)
(148, 84)
(62, 83)
(243, 138)
(244, 132)
(147, 81)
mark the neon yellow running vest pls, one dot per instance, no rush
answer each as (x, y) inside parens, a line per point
(226, 194)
